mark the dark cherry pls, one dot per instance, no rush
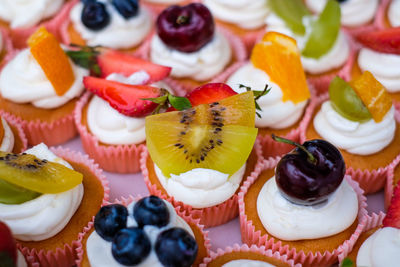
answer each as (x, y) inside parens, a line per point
(341, 1)
(310, 173)
(127, 8)
(151, 210)
(109, 220)
(94, 15)
(8, 247)
(186, 28)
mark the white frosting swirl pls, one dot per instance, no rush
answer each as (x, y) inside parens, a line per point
(288, 221)
(46, 215)
(201, 187)
(201, 65)
(247, 263)
(119, 33)
(275, 113)
(7, 143)
(381, 249)
(99, 250)
(27, 13)
(22, 80)
(357, 138)
(394, 13)
(247, 14)
(354, 12)
(385, 67)
(334, 58)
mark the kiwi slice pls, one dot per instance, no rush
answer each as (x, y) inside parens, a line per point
(218, 136)
(41, 176)
(13, 194)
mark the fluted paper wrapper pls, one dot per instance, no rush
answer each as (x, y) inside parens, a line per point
(381, 20)
(389, 185)
(13, 123)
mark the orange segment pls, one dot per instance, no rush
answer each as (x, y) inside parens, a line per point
(51, 57)
(279, 56)
(373, 94)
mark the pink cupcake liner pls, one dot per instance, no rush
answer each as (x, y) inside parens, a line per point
(245, 248)
(210, 216)
(113, 158)
(80, 250)
(324, 258)
(370, 222)
(14, 123)
(65, 256)
(389, 187)
(380, 18)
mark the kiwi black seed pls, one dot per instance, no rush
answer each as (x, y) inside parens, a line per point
(22, 161)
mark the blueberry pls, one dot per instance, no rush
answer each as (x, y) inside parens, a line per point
(151, 211)
(95, 16)
(130, 246)
(175, 247)
(109, 220)
(127, 8)
(87, 1)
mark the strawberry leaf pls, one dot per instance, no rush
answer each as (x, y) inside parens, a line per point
(257, 95)
(86, 57)
(347, 263)
(178, 102)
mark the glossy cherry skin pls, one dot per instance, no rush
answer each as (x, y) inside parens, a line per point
(306, 183)
(8, 248)
(186, 28)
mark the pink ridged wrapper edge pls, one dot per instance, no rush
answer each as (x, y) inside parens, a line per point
(113, 158)
(323, 258)
(370, 222)
(245, 248)
(210, 216)
(369, 181)
(389, 188)
(381, 14)
(80, 250)
(66, 256)
(12, 121)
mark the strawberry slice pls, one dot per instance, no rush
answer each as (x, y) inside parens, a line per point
(209, 93)
(116, 62)
(392, 218)
(125, 98)
(8, 249)
(385, 41)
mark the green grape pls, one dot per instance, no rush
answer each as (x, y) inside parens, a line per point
(13, 194)
(292, 12)
(346, 102)
(324, 31)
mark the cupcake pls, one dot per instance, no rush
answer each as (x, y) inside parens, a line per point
(187, 41)
(47, 215)
(39, 87)
(294, 207)
(12, 137)
(10, 255)
(204, 156)
(392, 180)
(388, 14)
(247, 256)
(359, 119)
(143, 232)
(326, 50)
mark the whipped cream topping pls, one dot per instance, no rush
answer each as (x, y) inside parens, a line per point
(288, 221)
(201, 65)
(22, 80)
(99, 250)
(357, 138)
(354, 12)
(394, 13)
(21, 262)
(385, 67)
(46, 215)
(247, 14)
(24, 14)
(7, 143)
(381, 249)
(247, 263)
(201, 187)
(275, 113)
(334, 58)
(119, 33)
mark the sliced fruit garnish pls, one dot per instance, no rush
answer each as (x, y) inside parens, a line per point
(52, 59)
(209, 93)
(292, 13)
(13, 194)
(117, 62)
(346, 101)
(125, 98)
(279, 57)
(42, 176)
(324, 31)
(8, 247)
(373, 94)
(392, 218)
(218, 136)
(385, 41)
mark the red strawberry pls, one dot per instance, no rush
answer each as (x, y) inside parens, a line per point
(209, 93)
(112, 61)
(125, 98)
(8, 249)
(385, 41)
(392, 218)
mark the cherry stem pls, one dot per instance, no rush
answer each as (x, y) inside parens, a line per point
(182, 19)
(310, 156)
